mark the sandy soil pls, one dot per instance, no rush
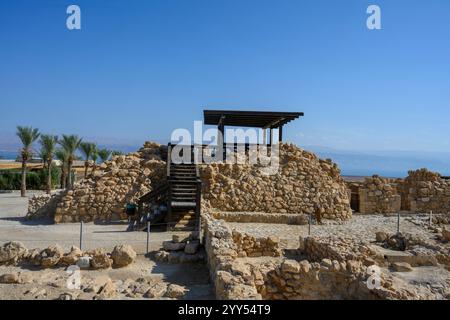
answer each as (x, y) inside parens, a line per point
(40, 234)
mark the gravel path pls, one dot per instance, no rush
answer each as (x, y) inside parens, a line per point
(362, 227)
(41, 234)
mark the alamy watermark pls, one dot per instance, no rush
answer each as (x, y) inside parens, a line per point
(73, 21)
(242, 146)
(374, 20)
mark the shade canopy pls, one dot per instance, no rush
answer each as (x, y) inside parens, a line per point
(258, 119)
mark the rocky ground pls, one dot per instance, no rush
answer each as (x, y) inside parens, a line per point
(134, 281)
(361, 227)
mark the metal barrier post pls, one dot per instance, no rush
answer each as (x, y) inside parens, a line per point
(200, 229)
(81, 235)
(148, 234)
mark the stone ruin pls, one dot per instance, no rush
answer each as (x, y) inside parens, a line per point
(421, 191)
(303, 184)
(322, 268)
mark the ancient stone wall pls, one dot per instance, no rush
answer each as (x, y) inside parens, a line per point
(302, 184)
(260, 217)
(249, 246)
(104, 193)
(327, 274)
(43, 205)
(379, 195)
(425, 191)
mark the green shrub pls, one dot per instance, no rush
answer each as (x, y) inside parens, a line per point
(36, 180)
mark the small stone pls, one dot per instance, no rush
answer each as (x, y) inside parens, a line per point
(9, 278)
(191, 247)
(173, 246)
(381, 236)
(84, 262)
(156, 290)
(123, 255)
(402, 267)
(291, 266)
(175, 291)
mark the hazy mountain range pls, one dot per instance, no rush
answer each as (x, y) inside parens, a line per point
(358, 163)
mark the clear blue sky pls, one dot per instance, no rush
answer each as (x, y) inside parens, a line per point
(139, 69)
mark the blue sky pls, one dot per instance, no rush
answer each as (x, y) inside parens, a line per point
(139, 69)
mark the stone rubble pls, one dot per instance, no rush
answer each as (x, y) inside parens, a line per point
(303, 184)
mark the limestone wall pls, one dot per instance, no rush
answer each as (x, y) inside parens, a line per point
(326, 274)
(426, 191)
(303, 184)
(379, 195)
(43, 205)
(103, 195)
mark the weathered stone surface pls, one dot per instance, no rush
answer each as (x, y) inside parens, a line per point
(72, 257)
(156, 290)
(192, 247)
(12, 252)
(105, 192)
(381, 236)
(84, 262)
(175, 291)
(302, 184)
(173, 246)
(50, 257)
(291, 266)
(123, 255)
(100, 259)
(445, 235)
(16, 278)
(107, 290)
(402, 267)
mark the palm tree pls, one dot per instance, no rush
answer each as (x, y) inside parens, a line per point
(104, 154)
(48, 146)
(87, 149)
(70, 144)
(27, 135)
(61, 155)
(94, 158)
(115, 153)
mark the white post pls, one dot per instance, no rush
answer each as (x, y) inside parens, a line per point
(81, 235)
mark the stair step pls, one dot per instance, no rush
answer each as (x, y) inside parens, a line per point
(183, 204)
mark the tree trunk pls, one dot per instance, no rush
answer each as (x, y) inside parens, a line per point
(69, 175)
(23, 187)
(63, 176)
(49, 177)
(86, 166)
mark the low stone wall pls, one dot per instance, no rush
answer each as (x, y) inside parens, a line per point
(249, 246)
(260, 217)
(426, 191)
(302, 184)
(421, 192)
(340, 249)
(43, 205)
(379, 195)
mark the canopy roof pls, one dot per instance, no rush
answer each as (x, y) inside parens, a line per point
(258, 119)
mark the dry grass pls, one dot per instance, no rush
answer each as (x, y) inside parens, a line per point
(18, 165)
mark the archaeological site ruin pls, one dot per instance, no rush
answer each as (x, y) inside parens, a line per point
(297, 230)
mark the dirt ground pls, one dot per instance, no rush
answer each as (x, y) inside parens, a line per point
(50, 283)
